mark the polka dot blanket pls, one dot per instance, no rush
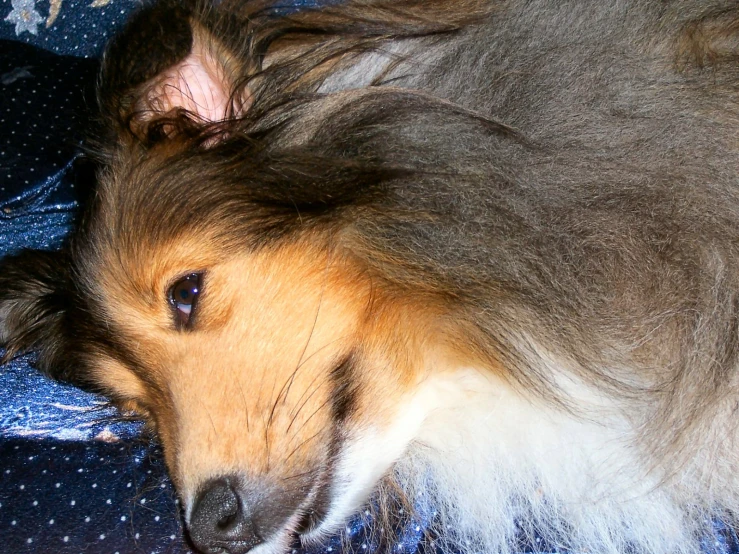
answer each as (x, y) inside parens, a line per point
(75, 476)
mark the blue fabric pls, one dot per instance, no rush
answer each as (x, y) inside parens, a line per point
(74, 476)
(78, 27)
(75, 27)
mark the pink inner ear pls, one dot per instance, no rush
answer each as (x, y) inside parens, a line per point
(197, 84)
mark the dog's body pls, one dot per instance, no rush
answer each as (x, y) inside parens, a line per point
(485, 253)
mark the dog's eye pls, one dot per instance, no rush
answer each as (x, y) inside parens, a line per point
(183, 296)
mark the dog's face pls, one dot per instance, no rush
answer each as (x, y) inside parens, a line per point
(267, 372)
(255, 369)
(218, 288)
(214, 287)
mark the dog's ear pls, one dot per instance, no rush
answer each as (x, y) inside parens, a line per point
(169, 65)
(35, 291)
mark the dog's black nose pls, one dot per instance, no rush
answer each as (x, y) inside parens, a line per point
(220, 522)
(232, 516)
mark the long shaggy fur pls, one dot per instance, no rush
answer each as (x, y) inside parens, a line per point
(558, 179)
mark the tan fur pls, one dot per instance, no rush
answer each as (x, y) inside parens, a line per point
(248, 391)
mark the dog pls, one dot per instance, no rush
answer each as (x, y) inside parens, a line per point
(481, 252)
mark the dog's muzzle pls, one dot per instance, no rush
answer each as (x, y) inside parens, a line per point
(231, 515)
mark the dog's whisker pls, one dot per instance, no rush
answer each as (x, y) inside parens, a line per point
(308, 393)
(307, 342)
(314, 389)
(303, 443)
(244, 403)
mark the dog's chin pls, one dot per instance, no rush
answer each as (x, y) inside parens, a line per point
(283, 542)
(311, 526)
(320, 523)
(317, 531)
(305, 532)
(278, 545)
(331, 511)
(365, 460)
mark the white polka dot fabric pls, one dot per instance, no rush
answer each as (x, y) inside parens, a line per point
(74, 27)
(44, 102)
(94, 496)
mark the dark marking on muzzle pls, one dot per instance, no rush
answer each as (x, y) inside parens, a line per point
(345, 388)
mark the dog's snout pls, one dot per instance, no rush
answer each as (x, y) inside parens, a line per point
(220, 521)
(232, 516)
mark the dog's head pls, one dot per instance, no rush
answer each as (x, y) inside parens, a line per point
(248, 289)
(224, 292)
(258, 347)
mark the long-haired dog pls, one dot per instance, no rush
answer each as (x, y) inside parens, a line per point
(481, 252)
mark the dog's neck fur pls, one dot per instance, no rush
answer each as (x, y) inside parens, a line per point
(498, 468)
